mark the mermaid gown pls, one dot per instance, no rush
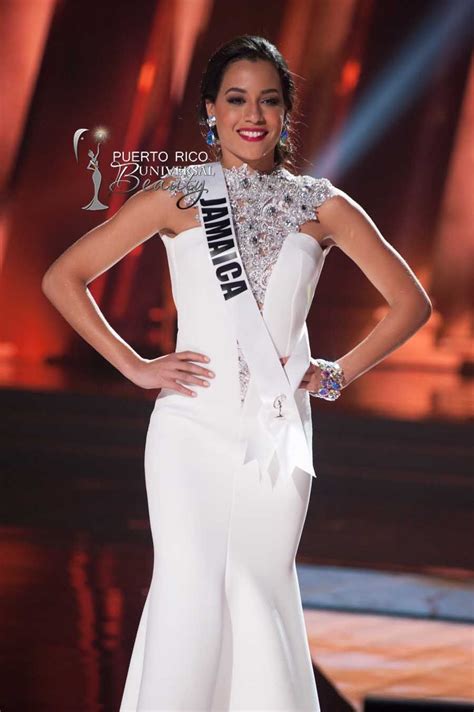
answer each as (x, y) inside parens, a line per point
(222, 626)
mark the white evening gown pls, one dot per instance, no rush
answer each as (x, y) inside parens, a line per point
(222, 627)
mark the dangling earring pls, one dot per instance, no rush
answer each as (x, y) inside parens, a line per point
(211, 139)
(284, 135)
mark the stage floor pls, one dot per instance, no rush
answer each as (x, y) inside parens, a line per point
(392, 657)
(70, 606)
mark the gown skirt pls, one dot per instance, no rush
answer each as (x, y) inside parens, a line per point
(222, 627)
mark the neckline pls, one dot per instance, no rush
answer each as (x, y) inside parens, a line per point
(251, 172)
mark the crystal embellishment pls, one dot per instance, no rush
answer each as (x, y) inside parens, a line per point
(263, 217)
(266, 207)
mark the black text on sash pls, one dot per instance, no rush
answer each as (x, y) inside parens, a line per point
(217, 223)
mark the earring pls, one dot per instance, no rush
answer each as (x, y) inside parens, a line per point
(211, 137)
(284, 135)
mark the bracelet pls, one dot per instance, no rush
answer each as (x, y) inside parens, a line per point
(333, 379)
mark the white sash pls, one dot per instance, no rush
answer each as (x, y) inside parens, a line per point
(276, 384)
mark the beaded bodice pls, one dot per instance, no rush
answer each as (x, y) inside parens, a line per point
(266, 207)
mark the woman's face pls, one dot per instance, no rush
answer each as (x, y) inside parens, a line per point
(249, 111)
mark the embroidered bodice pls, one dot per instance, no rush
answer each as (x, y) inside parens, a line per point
(266, 207)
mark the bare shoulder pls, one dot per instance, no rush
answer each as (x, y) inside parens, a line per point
(180, 189)
(344, 218)
(139, 218)
(337, 215)
(162, 204)
(148, 208)
(356, 234)
(159, 201)
(338, 204)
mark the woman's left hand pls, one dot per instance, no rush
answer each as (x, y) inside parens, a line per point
(312, 378)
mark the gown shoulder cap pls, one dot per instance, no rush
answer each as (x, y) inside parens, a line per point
(311, 193)
(318, 189)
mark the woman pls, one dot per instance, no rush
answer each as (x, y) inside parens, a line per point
(227, 474)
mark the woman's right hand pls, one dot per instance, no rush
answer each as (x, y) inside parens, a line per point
(165, 371)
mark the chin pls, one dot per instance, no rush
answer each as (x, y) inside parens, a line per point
(255, 153)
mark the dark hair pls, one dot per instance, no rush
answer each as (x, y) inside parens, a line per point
(254, 48)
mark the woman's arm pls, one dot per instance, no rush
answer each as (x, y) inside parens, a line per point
(65, 284)
(356, 234)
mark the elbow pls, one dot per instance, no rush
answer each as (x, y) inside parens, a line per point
(416, 311)
(429, 309)
(57, 280)
(54, 280)
(49, 281)
(422, 312)
(426, 309)
(46, 282)
(417, 303)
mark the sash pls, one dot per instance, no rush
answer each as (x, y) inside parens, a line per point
(278, 415)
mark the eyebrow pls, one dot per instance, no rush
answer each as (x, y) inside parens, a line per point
(264, 91)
